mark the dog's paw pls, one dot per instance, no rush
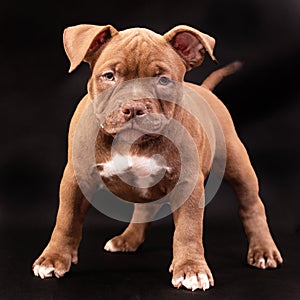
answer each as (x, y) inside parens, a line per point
(192, 275)
(265, 256)
(48, 265)
(122, 244)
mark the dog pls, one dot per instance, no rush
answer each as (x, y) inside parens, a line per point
(117, 57)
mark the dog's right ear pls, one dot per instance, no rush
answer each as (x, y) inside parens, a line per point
(190, 44)
(81, 42)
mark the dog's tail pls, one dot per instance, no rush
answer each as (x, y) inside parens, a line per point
(217, 76)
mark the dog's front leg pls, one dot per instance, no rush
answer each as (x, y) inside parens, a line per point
(63, 246)
(189, 266)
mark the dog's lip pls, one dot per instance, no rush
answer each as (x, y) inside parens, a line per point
(134, 130)
(142, 128)
(134, 135)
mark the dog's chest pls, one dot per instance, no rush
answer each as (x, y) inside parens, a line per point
(135, 173)
(141, 168)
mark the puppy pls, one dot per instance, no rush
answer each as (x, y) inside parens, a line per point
(140, 158)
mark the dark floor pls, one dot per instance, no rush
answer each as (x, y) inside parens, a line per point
(144, 275)
(38, 98)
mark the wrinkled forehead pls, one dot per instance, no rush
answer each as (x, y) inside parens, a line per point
(138, 52)
(136, 40)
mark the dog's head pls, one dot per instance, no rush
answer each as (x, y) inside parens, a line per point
(117, 59)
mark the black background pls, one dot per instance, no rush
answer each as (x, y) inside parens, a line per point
(38, 97)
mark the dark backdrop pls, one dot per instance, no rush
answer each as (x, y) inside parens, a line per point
(38, 97)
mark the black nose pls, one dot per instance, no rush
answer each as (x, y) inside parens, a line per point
(131, 110)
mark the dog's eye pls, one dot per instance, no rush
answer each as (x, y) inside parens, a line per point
(163, 80)
(109, 76)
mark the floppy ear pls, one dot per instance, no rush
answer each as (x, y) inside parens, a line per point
(82, 41)
(190, 44)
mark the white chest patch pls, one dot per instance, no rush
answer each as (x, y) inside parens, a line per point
(143, 172)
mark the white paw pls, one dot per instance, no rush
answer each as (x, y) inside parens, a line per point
(42, 271)
(110, 247)
(193, 282)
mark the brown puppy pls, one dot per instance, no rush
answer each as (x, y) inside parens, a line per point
(116, 57)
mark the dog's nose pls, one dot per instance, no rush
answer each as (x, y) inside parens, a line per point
(131, 110)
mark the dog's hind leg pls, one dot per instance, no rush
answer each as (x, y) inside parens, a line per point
(263, 252)
(134, 235)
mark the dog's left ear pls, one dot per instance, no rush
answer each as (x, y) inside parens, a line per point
(190, 44)
(81, 42)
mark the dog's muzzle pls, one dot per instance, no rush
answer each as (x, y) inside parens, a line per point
(136, 117)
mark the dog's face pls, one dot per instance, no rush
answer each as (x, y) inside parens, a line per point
(118, 58)
(136, 53)
(144, 105)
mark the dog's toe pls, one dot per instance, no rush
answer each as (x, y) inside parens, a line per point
(271, 263)
(260, 263)
(204, 281)
(177, 282)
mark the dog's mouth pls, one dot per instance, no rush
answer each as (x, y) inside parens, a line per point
(134, 136)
